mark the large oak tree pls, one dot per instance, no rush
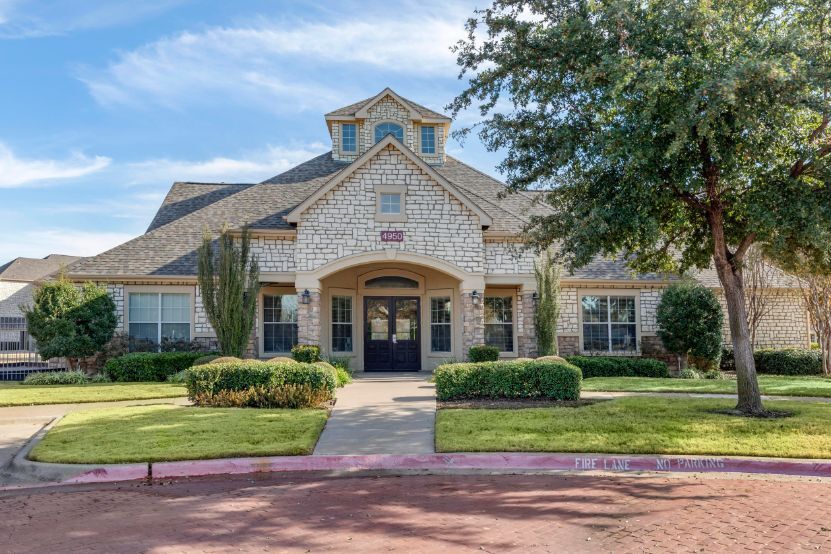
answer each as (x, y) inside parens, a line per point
(676, 133)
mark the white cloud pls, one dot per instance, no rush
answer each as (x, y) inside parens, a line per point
(18, 172)
(281, 65)
(40, 243)
(252, 168)
(41, 18)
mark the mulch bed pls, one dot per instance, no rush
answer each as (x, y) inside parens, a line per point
(514, 403)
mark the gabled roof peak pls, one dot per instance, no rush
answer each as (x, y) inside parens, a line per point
(359, 110)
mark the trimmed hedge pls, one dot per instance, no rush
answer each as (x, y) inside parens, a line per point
(483, 353)
(149, 366)
(788, 361)
(611, 366)
(508, 379)
(56, 378)
(783, 361)
(211, 379)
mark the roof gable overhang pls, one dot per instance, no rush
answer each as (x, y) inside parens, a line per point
(294, 216)
(363, 113)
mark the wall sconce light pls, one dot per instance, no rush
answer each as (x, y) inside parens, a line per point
(475, 297)
(535, 297)
(306, 297)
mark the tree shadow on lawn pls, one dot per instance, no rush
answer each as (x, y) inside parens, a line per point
(307, 512)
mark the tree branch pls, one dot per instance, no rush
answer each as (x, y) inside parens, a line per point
(746, 243)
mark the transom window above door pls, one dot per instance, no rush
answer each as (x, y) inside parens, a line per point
(384, 129)
(391, 282)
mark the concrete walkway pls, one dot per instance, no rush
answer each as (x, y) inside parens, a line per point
(382, 413)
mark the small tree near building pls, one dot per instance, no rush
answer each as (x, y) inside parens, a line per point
(547, 310)
(759, 274)
(816, 292)
(689, 321)
(70, 322)
(229, 281)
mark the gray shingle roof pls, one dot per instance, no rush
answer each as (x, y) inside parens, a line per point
(352, 109)
(34, 269)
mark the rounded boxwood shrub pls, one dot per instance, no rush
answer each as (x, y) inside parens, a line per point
(483, 353)
(205, 359)
(306, 353)
(149, 366)
(689, 373)
(508, 379)
(612, 366)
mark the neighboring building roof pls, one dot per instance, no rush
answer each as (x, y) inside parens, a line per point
(354, 109)
(34, 269)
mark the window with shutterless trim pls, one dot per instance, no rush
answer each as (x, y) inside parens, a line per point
(499, 322)
(609, 323)
(390, 203)
(348, 137)
(440, 324)
(341, 324)
(428, 140)
(279, 322)
(157, 317)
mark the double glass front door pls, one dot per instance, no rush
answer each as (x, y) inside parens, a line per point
(392, 335)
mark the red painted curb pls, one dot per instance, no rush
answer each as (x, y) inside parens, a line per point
(109, 474)
(495, 462)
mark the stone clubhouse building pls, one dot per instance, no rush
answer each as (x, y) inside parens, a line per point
(390, 252)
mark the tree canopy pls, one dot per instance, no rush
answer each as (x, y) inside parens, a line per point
(677, 134)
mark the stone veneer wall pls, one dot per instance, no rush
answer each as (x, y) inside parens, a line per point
(473, 322)
(508, 257)
(785, 325)
(273, 254)
(308, 319)
(342, 223)
(526, 331)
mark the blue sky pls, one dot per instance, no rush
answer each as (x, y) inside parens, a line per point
(104, 104)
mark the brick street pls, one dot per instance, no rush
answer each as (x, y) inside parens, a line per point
(525, 513)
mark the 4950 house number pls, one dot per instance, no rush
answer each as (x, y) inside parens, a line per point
(392, 236)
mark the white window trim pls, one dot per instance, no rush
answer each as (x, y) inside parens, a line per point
(271, 291)
(357, 139)
(514, 324)
(610, 292)
(348, 293)
(154, 289)
(441, 293)
(435, 151)
(401, 190)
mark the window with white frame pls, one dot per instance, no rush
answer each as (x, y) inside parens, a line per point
(341, 324)
(390, 203)
(349, 137)
(499, 322)
(440, 326)
(279, 322)
(158, 317)
(609, 323)
(428, 140)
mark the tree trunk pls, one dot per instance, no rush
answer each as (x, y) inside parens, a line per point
(750, 399)
(825, 348)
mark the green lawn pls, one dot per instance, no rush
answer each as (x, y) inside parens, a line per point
(770, 384)
(164, 433)
(640, 425)
(15, 394)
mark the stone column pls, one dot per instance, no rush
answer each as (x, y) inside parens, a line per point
(473, 321)
(308, 317)
(526, 332)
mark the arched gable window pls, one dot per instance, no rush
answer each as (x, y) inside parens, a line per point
(384, 129)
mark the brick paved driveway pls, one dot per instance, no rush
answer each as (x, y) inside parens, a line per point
(423, 514)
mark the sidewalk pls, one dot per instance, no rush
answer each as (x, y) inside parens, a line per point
(382, 413)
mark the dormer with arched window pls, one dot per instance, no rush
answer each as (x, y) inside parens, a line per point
(356, 128)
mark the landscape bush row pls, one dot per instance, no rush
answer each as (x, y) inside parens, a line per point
(508, 379)
(782, 361)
